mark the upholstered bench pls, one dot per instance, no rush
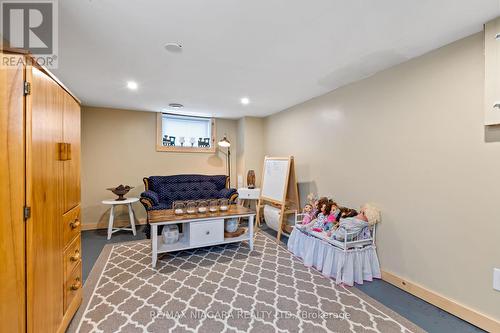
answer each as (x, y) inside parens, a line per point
(161, 191)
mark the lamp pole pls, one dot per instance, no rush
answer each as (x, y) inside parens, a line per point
(229, 165)
(224, 143)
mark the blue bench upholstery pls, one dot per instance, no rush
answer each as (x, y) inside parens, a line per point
(161, 191)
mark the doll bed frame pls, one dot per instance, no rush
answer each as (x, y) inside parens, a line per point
(351, 239)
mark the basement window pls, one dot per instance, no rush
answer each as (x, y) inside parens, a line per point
(178, 133)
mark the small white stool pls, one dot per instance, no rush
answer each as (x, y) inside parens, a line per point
(113, 203)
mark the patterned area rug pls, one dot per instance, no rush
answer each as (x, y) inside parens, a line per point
(223, 289)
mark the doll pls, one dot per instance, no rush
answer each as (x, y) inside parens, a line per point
(318, 223)
(311, 199)
(318, 204)
(308, 214)
(357, 226)
(331, 220)
(346, 212)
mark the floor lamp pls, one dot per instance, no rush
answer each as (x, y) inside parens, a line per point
(224, 143)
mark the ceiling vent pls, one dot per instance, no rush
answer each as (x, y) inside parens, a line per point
(173, 47)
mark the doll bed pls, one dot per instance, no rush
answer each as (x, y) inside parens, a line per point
(347, 262)
(351, 240)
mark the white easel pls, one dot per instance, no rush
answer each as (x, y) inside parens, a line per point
(279, 188)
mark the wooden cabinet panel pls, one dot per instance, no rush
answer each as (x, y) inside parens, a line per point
(71, 134)
(12, 275)
(492, 73)
(40, 280)
(71, 225)
(73, 286)
(44, 229)
(72, 257)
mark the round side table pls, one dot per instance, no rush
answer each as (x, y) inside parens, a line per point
(128, 202)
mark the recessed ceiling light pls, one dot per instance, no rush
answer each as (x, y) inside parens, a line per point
(132, 85)
(245, 101)
(176, 105)
(173, 47)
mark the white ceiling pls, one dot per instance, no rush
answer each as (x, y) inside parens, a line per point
(276, 52)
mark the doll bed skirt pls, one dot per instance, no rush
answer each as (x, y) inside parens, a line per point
(345, 266)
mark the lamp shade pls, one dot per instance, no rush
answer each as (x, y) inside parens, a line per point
(224, 142)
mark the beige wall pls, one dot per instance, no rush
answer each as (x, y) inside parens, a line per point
(240, 151)
(251, 147)
(412, 140)
(118, 147)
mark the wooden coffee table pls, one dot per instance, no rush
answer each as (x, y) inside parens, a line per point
(198, 230)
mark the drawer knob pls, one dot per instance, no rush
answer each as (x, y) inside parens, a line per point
(207, 232)
(76, 285)
(75, 224)
(75, 257)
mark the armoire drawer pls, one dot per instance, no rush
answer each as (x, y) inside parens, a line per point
(72, 285)
(72, 257)
(72, 225)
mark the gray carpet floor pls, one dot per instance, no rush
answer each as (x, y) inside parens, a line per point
(251, 291)
(425, 315)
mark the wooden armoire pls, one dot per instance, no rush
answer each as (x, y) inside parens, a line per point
(40, 278)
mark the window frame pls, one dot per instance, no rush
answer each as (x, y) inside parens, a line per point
(176, 149)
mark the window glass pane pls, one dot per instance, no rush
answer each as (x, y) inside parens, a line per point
(186, 131)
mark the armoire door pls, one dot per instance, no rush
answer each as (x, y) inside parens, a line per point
(71, 135)
(45, 107)
(12, 197)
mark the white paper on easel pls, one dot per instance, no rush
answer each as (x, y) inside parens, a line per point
(274, 180)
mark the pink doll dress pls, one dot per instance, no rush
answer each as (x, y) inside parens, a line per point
(308, 217)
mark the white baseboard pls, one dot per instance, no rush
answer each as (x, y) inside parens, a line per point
(100, 225)
(461, 311)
